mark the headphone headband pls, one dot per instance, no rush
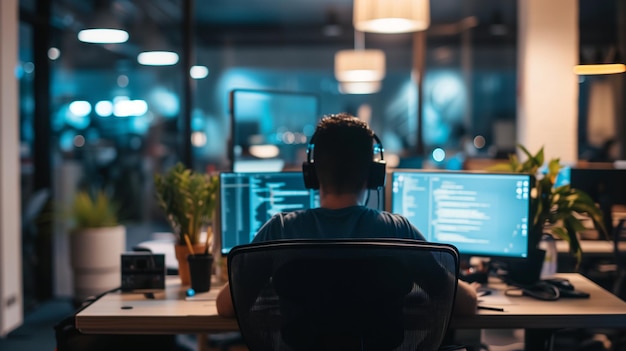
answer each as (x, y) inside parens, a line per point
(375, 179)
(310, 149)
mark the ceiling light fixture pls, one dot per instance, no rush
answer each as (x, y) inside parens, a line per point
(602, 68)
(157, 58)
(359, 87)
(103, 36)
(360, 65)
(104, 28)
(199, 72)
(607, 66)
(332, 28)
(356, 68)
(398, 16)
(156, 49)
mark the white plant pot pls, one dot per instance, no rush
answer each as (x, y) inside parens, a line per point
(95, 256)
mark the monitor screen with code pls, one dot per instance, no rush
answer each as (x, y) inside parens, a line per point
(249, 199)
(482, 214)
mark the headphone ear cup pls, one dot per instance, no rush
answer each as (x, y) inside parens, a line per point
(376, 178)
(310, 176)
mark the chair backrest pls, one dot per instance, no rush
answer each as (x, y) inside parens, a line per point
(343, 294)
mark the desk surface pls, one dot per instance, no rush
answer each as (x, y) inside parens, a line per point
(589, 247)
(170, 313)
(602, 309)
(167, 313)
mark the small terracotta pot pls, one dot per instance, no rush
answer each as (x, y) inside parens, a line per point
(183, 265)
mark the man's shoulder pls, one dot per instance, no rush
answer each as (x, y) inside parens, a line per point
(392, 216)
(402, 225)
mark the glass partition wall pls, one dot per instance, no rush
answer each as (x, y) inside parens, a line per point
(114, 122)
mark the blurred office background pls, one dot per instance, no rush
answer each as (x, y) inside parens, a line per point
(92, 115)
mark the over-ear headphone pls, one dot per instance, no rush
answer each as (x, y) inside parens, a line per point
(375, 179)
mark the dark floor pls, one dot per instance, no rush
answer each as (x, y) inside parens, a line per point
(37, 332)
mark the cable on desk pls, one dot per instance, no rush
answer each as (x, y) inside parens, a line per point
(540, 290)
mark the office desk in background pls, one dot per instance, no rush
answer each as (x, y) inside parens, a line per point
(170, 313)
(595, 248)
(598, 259)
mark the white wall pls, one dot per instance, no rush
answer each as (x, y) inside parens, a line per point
(547, 111)
(11, 297)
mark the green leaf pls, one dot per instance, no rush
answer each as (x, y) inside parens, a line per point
(188, 199)
(556, 205)
(96, 211)
(501, 167)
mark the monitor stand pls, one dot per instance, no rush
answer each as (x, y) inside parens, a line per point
(526, 271)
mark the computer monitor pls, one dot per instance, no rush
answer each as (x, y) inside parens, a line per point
(249, 199)
(270, 128)
(482, 214)
(607, 186)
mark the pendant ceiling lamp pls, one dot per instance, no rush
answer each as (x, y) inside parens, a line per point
(391, 16)
(601, 68)
(609, 65)
(156, 49)
(359, 71)
(104, 27)
(360, 65)
(359, 87)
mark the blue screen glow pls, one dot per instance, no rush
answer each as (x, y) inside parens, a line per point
(481, 214)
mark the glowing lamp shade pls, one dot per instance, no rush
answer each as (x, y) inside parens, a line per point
(198, 72)
(359, 87)
(157, 58)
(391, 16)
(359, 65)
(609, 68)
(103, 36)
(264, 151)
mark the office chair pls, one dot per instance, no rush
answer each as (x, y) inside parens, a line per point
(343, 294)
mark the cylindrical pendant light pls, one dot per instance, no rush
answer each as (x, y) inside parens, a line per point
(359, 87)
(391, 16)
(606, 68)
(601, 64)
(360, 65)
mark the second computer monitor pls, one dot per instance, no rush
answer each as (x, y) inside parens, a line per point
(482, 214)
(248, 200)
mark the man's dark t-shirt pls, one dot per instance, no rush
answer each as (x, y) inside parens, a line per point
(346, 223)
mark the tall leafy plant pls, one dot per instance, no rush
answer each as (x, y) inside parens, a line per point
(555, 207)
(96, 211)
(188, 199)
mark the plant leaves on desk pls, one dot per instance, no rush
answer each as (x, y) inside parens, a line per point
(555, 207)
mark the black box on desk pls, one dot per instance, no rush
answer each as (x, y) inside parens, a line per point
(143, 272)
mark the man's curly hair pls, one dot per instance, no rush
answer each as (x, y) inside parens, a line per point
(343, 152)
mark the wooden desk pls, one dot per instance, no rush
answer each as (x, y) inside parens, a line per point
(540, 319)
(602, 309)
(169, 313)
(602, 248)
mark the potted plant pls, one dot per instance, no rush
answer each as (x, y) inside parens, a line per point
(188, 199)
(557, 209)
(96, 242)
